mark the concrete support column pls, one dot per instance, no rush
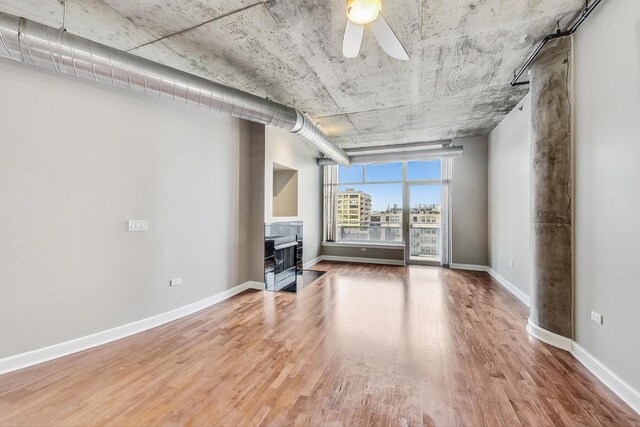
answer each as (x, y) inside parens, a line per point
(551, 194)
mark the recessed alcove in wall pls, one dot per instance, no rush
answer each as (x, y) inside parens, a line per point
(285, 191)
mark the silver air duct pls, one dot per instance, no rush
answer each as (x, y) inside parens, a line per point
(55, 49)
(433, 153)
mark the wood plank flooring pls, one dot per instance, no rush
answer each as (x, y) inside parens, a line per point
(364, 345)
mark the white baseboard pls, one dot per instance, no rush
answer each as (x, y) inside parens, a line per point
(470, 267)
(550, 338)
(610, 379)
(255, 285)
(510, 287)
(616, 384)
(41, 355)
(311, 263)
(363, 260)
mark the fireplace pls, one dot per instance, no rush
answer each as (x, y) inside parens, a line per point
(283, 256)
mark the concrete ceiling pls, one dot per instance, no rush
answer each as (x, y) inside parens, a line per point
(463, 53)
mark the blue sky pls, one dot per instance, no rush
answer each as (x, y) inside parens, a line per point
(383, 195)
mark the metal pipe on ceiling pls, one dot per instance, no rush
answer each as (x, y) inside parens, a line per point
(55, 49)
(397, 147)
(583, 16)
(434, 153)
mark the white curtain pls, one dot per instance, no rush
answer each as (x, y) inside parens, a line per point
(330, 208)
(446, 211)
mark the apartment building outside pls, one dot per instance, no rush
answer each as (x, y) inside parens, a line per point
(354, 208)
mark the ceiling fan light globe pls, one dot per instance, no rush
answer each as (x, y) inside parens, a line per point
(363, 11)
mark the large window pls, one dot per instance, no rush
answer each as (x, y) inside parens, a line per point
(370, 206)
(369, 203)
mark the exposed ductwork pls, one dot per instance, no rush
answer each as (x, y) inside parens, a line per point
(395, 148)
(399, 156)
(55, 49)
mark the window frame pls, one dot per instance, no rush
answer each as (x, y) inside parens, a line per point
(404, 219)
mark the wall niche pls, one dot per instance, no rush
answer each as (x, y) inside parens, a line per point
(285, 191)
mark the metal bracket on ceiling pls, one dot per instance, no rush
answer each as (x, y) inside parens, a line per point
(267, 97)
(64, 16)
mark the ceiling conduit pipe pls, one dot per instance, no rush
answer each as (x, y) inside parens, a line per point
(558, 34)
(55, 49)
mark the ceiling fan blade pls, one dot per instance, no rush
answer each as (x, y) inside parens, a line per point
(352, 39)
(388, 40)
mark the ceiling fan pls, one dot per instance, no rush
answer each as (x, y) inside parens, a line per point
(367, 12)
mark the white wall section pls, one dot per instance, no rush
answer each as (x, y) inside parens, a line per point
(509, 211)
(607, 157)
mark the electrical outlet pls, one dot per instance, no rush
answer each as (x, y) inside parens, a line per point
(175, 282)
(363, 249)
(596, 317)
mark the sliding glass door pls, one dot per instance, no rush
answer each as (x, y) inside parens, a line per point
(424, 242)
(423, 212)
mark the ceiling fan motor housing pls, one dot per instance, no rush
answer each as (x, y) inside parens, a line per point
(363, 11)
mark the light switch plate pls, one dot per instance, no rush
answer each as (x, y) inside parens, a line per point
(597, 317)
(138, 225)
(175, 282)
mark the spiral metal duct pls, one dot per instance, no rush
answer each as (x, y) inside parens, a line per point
(399, 156)
(55, 49)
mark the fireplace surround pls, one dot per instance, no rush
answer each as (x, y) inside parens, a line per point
(283, 256)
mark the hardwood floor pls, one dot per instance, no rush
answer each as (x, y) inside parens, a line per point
(364, 345)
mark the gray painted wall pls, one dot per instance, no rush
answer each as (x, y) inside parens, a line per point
(509, 215)
(469, 203)
(607, 154)
(286, 149)
(252, 169)
(80, 159)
